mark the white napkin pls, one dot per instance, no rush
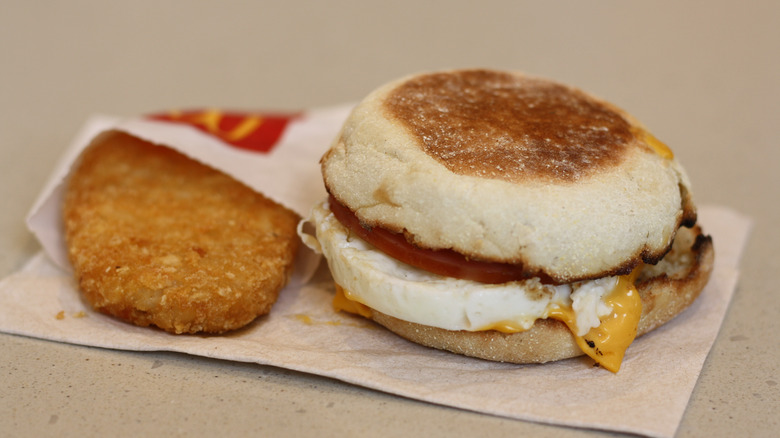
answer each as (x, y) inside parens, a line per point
(648, 396)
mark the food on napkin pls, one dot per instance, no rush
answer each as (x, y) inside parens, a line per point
(509, 218)
(158, 239)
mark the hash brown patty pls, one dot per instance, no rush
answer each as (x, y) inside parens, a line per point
(156, 238)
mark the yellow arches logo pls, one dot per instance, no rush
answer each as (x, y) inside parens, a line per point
(257, 132)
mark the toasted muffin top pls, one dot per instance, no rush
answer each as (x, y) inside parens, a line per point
(504, 167)
(498, 125)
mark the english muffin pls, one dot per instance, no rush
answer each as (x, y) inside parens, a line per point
(507, 217)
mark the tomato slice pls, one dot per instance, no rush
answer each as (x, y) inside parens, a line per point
(440, 261)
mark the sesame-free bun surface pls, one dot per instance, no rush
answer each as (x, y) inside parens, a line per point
(508, 168)
(666, 290)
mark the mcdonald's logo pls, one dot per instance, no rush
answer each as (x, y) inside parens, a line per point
(257, 132)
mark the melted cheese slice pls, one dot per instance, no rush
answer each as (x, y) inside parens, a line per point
(344, 302)
(655, 144)
(607, 342)
(602, 314)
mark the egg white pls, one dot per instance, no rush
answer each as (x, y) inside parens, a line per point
(410, 294)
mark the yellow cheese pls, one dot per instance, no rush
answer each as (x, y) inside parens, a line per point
(657, 145)
(606, 344)
(343, 301)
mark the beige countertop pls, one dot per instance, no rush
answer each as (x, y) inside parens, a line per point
(702, 76)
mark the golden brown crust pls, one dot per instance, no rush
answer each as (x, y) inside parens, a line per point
(666, 290)
(493, 124)
(156, 238)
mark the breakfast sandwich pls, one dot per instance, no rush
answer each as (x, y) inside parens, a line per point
(507, 217)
